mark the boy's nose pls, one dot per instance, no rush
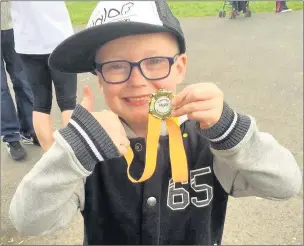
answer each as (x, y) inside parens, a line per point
(136, 78)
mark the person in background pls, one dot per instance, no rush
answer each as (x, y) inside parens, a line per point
(15, 126)
(239, 6)
(281, 7)
(39, 27)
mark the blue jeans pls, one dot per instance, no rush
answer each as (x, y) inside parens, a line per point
(14, 123)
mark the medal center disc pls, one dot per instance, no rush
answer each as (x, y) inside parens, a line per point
(163, 105)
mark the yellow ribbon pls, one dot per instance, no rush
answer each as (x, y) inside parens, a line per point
(179, 166)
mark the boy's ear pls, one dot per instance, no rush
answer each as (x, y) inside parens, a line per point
(99, 80)
(181, 65)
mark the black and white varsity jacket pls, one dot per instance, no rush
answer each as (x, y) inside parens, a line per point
(83, 171)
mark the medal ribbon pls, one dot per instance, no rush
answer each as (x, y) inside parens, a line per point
(179, 166)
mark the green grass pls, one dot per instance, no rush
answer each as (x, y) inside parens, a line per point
(80, 11)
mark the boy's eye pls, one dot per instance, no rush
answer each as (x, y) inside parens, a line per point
(156, 61)
(115, 66)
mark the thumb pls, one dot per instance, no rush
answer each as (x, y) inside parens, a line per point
(88, 98)
(180, 98)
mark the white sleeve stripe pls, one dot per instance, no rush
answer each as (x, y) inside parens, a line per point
(228, 131)
(87, 139)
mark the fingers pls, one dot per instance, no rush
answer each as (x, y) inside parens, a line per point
(88, 98)
(123, 134)
(123, 146)
(194, 106)
(201, 115)
(123, 149)
(114, 128)
(201, 102)
(206, 118)
(180, 97)
(192, 94)
(125, 141)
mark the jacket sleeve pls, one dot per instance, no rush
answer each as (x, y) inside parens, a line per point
(53, 191)
(248, 162)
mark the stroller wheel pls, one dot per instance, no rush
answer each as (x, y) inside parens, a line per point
(224, 14)
(220, 14)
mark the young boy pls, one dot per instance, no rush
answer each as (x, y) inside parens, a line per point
(135, 49)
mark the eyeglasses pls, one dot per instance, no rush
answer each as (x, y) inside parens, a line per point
(152, 68)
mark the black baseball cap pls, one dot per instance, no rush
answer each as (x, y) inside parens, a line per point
(111, 20)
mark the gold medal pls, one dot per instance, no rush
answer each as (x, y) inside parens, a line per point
(161, 104)
(160, 109)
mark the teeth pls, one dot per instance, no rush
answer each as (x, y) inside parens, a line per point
(146, 98)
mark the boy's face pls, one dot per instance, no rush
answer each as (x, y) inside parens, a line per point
(130, 99)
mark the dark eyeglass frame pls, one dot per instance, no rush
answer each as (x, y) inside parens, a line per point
(172, 60)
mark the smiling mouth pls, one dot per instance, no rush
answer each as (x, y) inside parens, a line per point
(138, 101)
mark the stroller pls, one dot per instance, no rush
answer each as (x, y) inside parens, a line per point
(237, 8)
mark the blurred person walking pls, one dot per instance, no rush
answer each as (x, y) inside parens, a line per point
(15, 126)
(39, 27)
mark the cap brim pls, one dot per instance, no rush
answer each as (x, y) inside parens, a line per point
(76, 54)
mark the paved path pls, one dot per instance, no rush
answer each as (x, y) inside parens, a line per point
(257, 62)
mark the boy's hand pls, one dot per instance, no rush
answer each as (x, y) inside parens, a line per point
(202, 102)
(109, 122)
(88, 98)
